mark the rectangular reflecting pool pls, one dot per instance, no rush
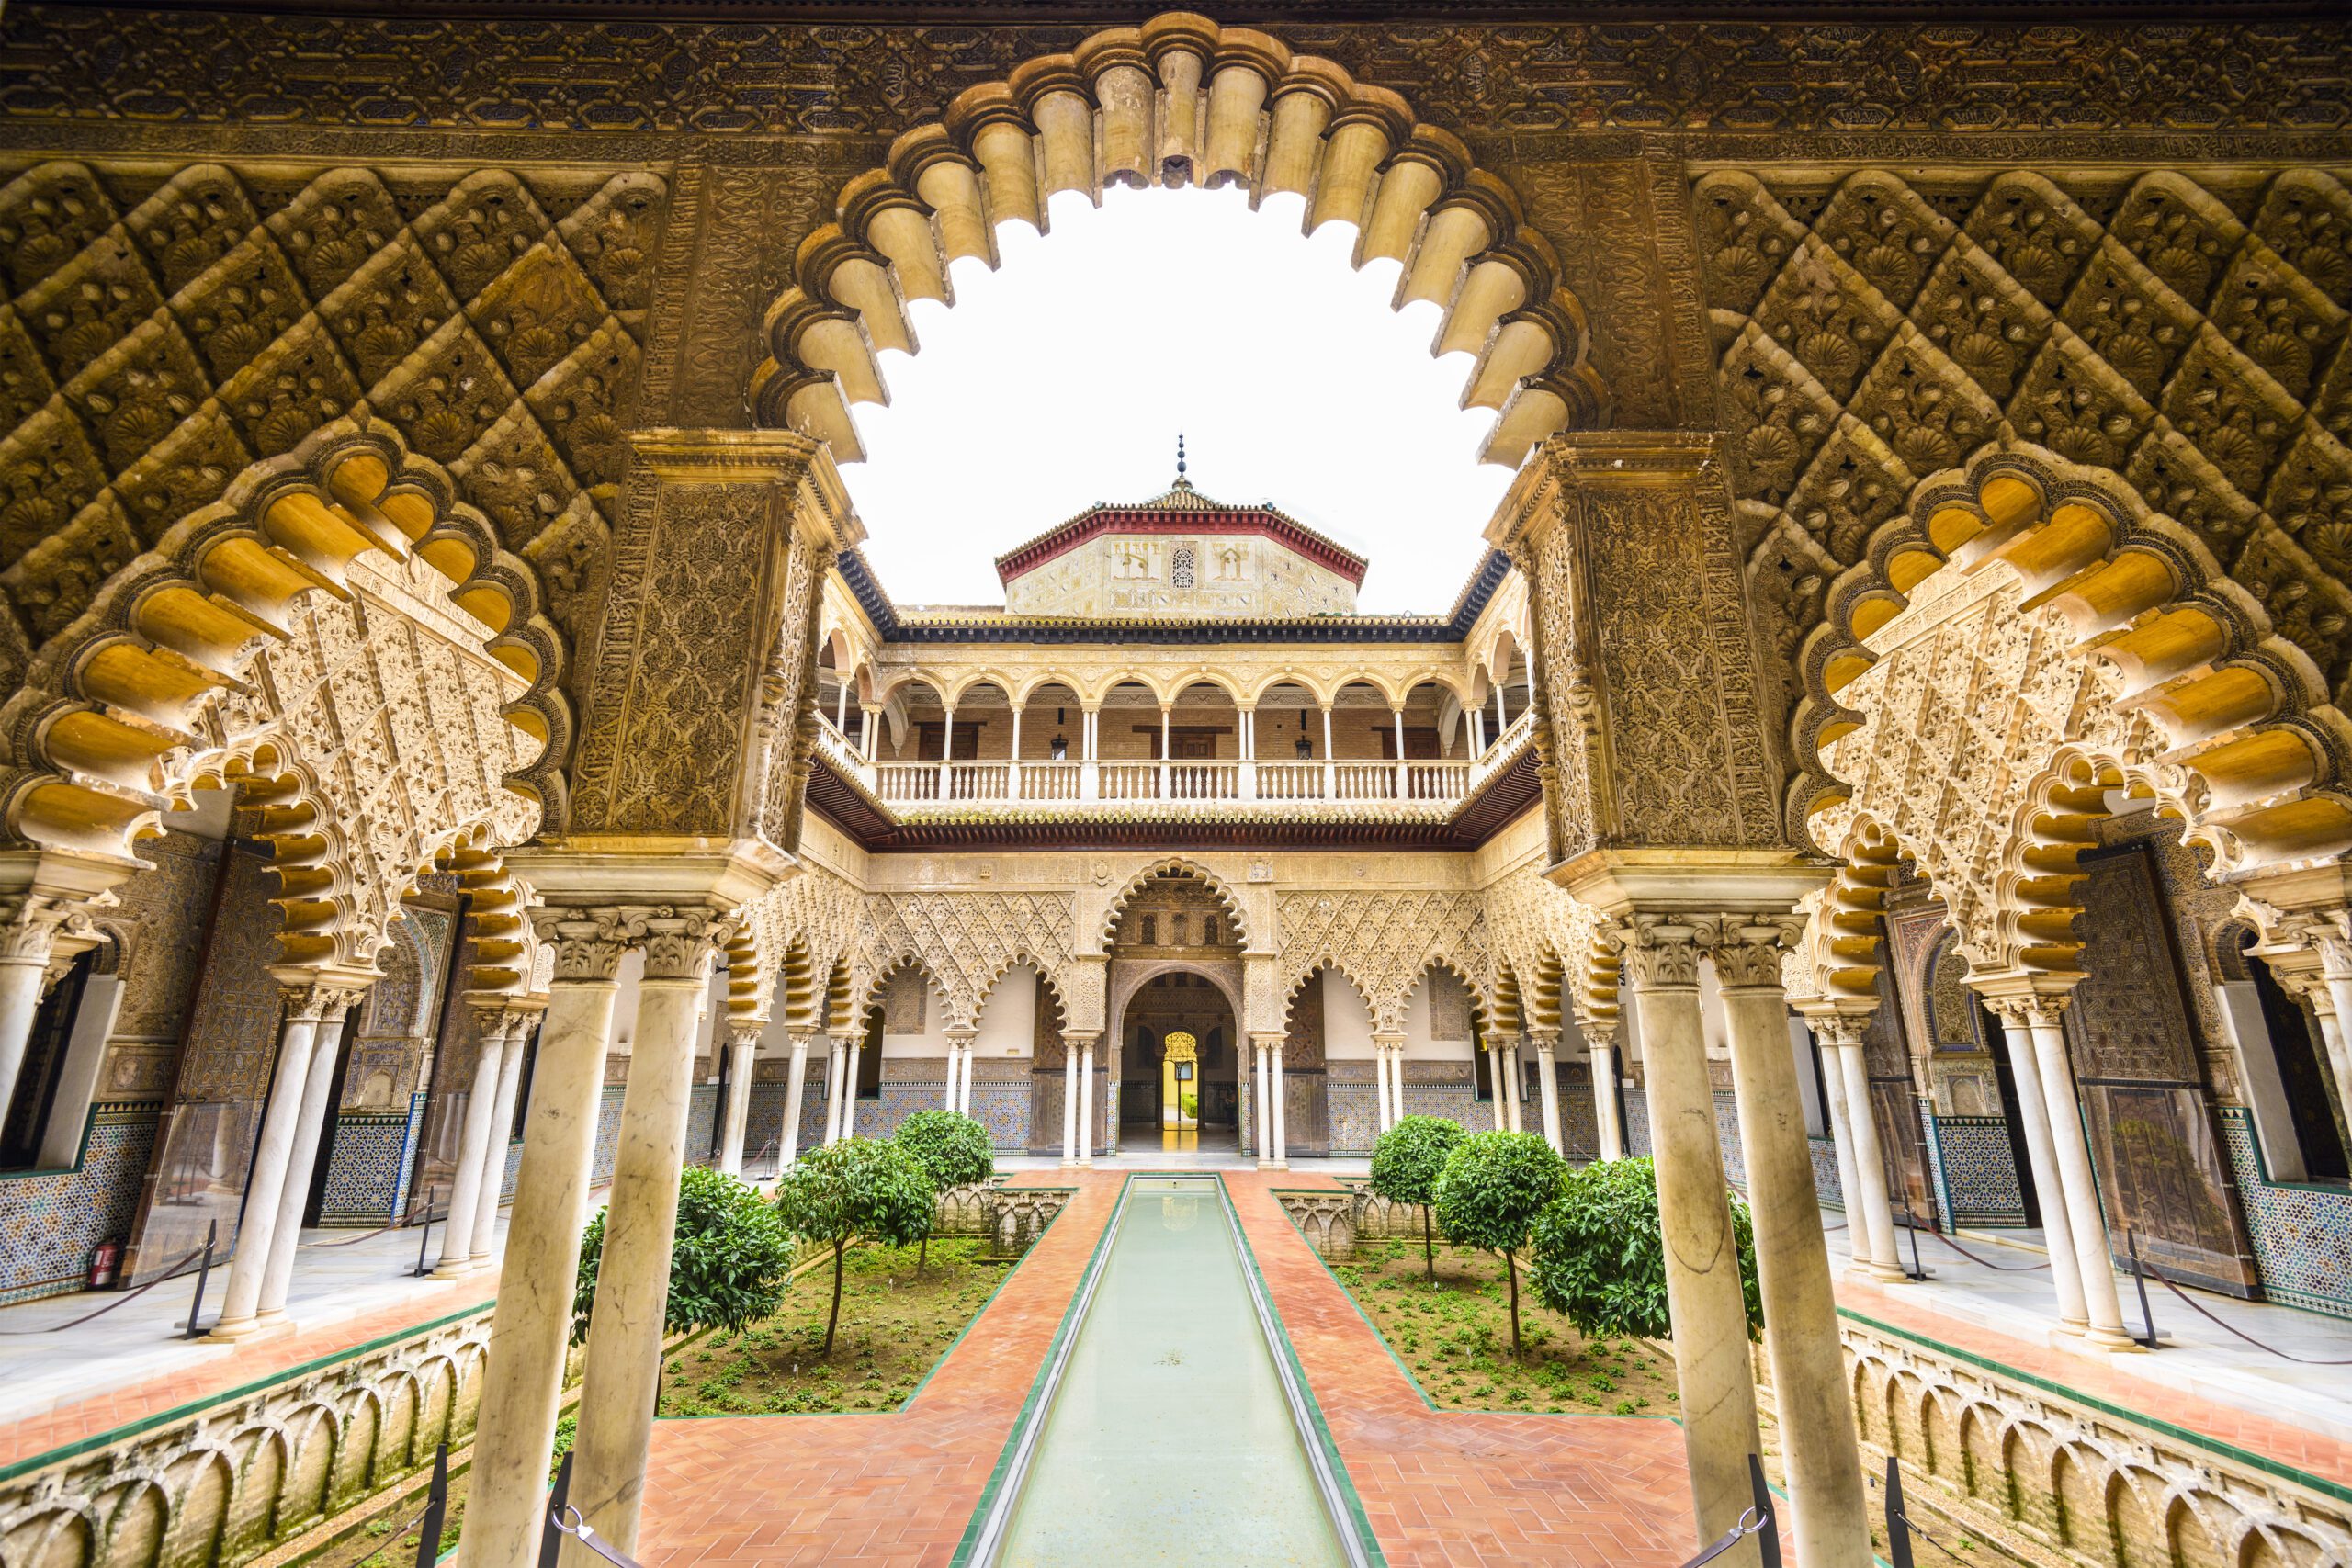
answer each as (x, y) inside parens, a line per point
(1170, 1437)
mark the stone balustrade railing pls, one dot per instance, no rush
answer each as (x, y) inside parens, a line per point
(2028, 1470)
(219, 1482)
(1048, 787)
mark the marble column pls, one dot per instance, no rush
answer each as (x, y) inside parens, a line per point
(318, 1116)
(1705, 1295)
(1069, 1101)
(1841, 1137)
(625, 1327)
(1547, 1041)
(1607, 1122)
(1086, 1100)
(795, 1089)
(2041, 1155)
(1818, 1445)
(27, 942)
(954, 1066)
(502, 1122)
(836, 1096)
(309, 997)
(743, 1062)
(1281, 1105)
(505, 1510)
(850, 1067)
(2094, 1256)
(1877, 1217)
(1384, 1047)
(1262, 1122)
(2334, 945)
(492, 1024)
(1397, 1084)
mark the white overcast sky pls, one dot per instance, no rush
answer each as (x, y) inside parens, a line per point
(1062, 378)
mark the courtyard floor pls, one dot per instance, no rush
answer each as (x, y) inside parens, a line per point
(1436, 1486)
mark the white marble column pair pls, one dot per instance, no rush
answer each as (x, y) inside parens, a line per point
(1853, 1129)
(841, 1089)
(1388, 1078)
(1078, 1098)
(1607, 1121)
(1547, 1043)
(531, 1325)
(1274, 1148)
(479, 1177)
(742, 1065)
(2082, 1259)
(30, 923)
(315, 1004)
(1819, 1446)
(795, 1095)
(959, 1073)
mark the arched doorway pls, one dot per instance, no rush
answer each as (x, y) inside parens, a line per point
(1176, 971)
(1180, 1065)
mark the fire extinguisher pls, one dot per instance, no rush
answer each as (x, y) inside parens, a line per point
(106, 1258)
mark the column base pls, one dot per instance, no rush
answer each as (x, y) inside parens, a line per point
(270, 1317)
(2114, 1341)
(231, 1333)
(1282, 1164)
(455, 1271)
(1865, 1273)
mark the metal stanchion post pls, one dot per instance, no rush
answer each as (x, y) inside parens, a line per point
(1768, 1540)
(2140, 1281)
(551, 1538)
(203, 1274)
(436, 1509)
(1898, 1524)
(425, 1236)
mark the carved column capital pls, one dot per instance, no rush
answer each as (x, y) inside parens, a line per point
(2023, 1002)
(1545, 1040)
(323, 996)
(588, 941)
(1839, 1029)
(1748, 949)
(30, 923)
(745, 1031)
(1659, 953)
(681, 941)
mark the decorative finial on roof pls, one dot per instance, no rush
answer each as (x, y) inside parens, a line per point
(1182, 483)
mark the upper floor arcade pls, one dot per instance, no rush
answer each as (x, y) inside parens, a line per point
(1255, 704)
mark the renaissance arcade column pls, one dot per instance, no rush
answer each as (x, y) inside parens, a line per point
(1071, 1047)
(1607, 1122)
(1704, 1296)
(532, 1322)
(502, 1119)
(743, 1060)
(1816, 1414)
(1547, 1043)
(1083, 1046)
(1261, 1119)
(27, 939)
(2094, 1255)
(1877, 1216)
(836, 1095)
(315, 1002)
(2015, 1008)
(1859, 1244)
(492, 1024)
(794, 1089)
(1279, 1111)
(624, 1358)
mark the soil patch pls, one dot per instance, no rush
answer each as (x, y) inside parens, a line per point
(1455, 1337)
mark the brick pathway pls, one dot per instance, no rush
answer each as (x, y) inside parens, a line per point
(2101, 1378)
(225, 1367)
(880, 1490)
(1446, 1487)
(1583, 1492)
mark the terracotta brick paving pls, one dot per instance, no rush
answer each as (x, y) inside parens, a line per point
(1457, 1487)
(895, 1488)
(901, 1488)
(232, 1367)
(2100, 1378)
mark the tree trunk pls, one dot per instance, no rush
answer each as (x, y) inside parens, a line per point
(838, 1247)
(1511, 1267)
(923, 1255)
(1429, 1247)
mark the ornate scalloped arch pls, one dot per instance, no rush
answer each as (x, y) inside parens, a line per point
(1481, 1008)
(1005, 965)
(1293, 985)
(336, 629)
(1171, 865)
(1173, 100)
(2235, 704)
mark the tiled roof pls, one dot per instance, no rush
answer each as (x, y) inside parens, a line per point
(1177, 510)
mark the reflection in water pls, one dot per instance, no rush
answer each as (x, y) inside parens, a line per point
(1172, 1142)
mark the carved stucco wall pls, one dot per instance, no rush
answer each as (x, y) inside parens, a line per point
(2188, 333)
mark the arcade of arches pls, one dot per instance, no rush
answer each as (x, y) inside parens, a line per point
(1893, 754)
